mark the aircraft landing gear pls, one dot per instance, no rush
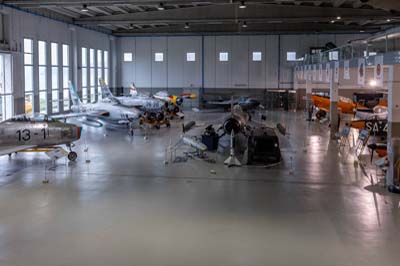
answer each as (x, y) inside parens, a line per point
(320, 114)
(72, 156)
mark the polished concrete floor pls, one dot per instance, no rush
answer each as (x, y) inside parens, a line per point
(126, 207)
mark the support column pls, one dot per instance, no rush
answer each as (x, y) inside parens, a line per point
(115, 81)
(296, 86)
(74, 57)
(308, 98)
(393, 134)
(334, 115)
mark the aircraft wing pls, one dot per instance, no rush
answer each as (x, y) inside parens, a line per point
(11, 149)
(222, 103)
(69, 115)
(81, 114)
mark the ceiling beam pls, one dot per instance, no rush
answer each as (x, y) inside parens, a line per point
(43, 3)
(338, 3)
(251, 29)
(99, 10)
(64, 12)
(229, 13)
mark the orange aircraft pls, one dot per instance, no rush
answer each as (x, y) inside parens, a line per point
(345, 105)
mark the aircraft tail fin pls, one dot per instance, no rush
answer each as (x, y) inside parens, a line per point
(105, 90)
(74, 94)
(133, 90)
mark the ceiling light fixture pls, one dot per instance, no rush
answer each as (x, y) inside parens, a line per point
(388, 20)
(338, 17)
(244, 25)
(373, 83)
(242, 5)
(84, 8)
(161, 6)
(332, 21)
(187, 25)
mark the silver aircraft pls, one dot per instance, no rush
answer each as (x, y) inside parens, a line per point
(104, 110)
(36, 134)
(143, 102)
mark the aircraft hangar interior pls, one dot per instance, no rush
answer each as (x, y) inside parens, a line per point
(216, 132)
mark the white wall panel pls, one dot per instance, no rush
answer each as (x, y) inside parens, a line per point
(272, 61)
(176, 54)
(192, 71)
(143, 60)
(257, 72)
(209, 62)
(223, 78)
(128, 73)
(159, 69)
(240, 62)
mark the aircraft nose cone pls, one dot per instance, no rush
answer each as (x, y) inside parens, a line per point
(179, 100)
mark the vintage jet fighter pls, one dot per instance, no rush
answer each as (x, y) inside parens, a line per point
(140, 101)
(22, 133)
(261, 142)
(105, 110)
(152, 109)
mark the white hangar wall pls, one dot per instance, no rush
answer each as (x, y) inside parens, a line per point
(19, 25)
(239, 72)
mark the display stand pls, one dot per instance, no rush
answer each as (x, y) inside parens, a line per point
(232, 160)
(361, 142)
(344, 137)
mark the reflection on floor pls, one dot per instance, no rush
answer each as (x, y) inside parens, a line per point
(126, 207)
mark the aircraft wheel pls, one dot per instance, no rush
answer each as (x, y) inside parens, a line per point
(157, 126)
(176, 109)
(320, 114)
(168, 125)
(72, 156)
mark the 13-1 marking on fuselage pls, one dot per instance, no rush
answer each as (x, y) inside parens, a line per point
(25, 134)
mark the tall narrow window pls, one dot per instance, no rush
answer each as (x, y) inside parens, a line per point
(28, 75)
(92, 64)
(99, 71)
(84, 75)
(54, 78)
(65, 64)
(106, 66)
(6, 92)
(42, 49)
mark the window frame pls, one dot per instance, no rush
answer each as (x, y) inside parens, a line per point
(30, 92)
